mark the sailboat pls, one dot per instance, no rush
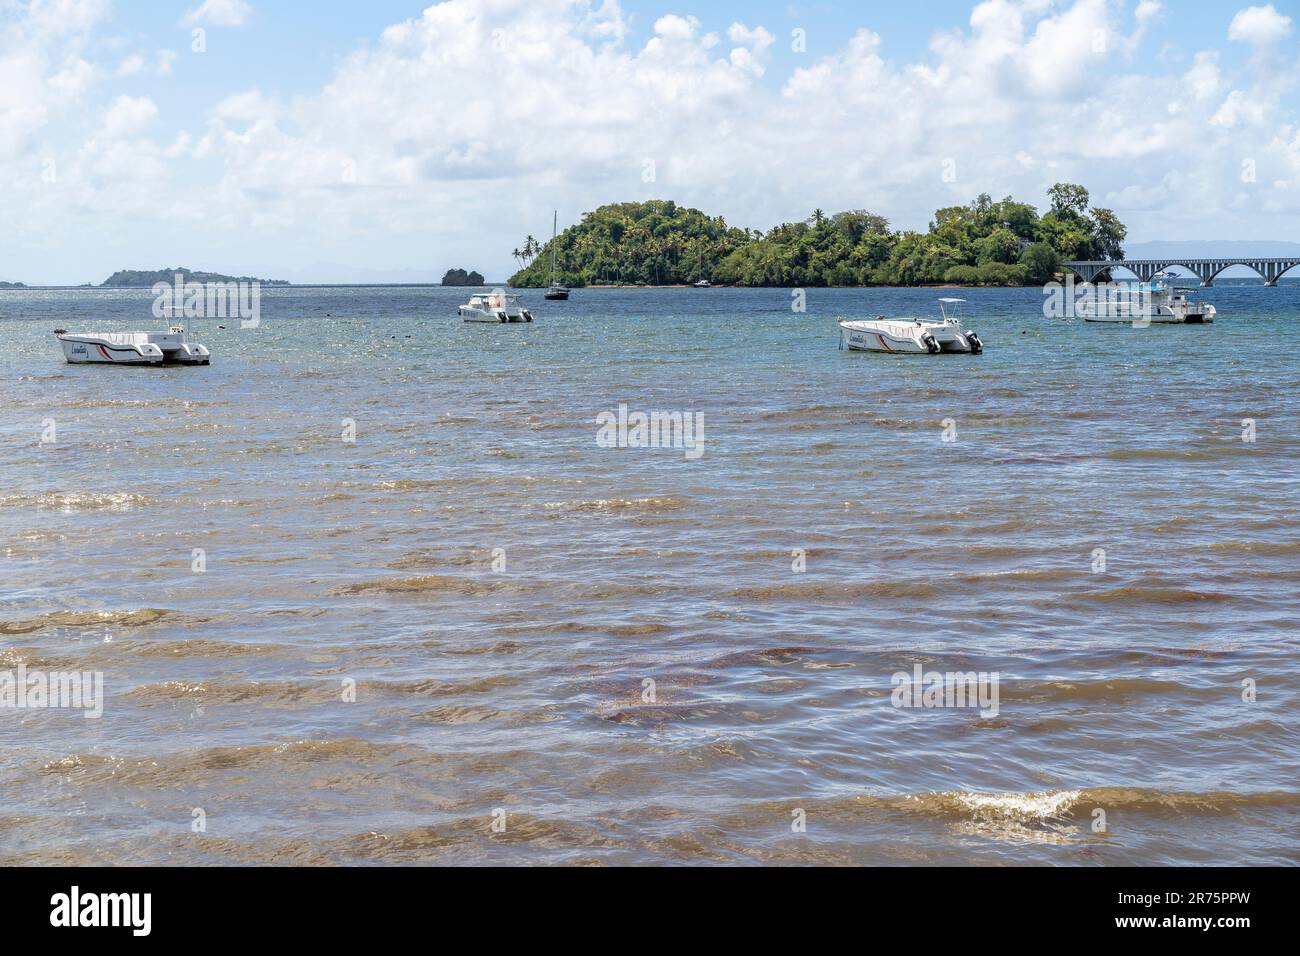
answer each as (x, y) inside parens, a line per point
(555, 290)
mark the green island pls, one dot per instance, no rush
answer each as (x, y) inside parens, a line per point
(461, 277)
(658, 243)
(133, 278)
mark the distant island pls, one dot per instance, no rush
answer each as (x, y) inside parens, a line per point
(12, 285)
(461, 277)
(657, 242)
(134, 279)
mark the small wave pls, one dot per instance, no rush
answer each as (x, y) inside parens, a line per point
(169, 770)
(1019, 574)
(1164, 454)
(1104, 689)
(576, 627)
(1033, 458)
(818, 413)
(424, 584)
(1067, 805)
(600, 505)
(458, 714)
(139, 618)
(72, 501)
(433, 687)
(218, 692)
(1265, 548)
(763, 657)
(826, 591)
(195, 647)
(418, 560)
(415, 484)
(1145, 594)
(651, 715)
(904, 423)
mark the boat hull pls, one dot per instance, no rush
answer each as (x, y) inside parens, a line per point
(898, 338)
(88, 350)
(1198, 317)
(556, 295)
(495, 316)
(131, 348)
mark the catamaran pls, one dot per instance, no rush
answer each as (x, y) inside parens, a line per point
(1142, 303)
(495, 306)
(912, 336)
(555, 290)
(132, 348)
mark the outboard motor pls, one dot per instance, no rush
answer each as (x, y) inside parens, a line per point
(502, 316)
(931, 344)
(976, 346)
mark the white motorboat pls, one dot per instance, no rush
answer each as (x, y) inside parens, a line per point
(131, 348)
(704, 284)
(495, 306)
(911, 336)
(1143, 303)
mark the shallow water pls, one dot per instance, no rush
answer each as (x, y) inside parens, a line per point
(486, 693)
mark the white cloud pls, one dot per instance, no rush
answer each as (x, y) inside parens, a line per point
(410, 131)
(130, 66)
(673, 27)
(60, 18)
(1259, 26)
(1204, 79)
(129, 115)
(220, 13)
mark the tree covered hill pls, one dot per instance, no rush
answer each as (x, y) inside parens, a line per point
(656, 242)
(983, 242)
(460, 277)
(134, 278)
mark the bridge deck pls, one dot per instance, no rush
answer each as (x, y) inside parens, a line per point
(1270, 269)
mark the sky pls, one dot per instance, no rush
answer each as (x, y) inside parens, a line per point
(390, 141)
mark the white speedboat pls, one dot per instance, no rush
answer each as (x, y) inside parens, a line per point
(131, 348)
(1142, 303)
(911, 336)
(495, 306)
(704, 284)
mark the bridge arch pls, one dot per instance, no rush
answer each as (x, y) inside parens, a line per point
(1225, 266)
(1195, 273)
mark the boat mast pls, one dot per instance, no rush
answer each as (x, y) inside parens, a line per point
(555, 218)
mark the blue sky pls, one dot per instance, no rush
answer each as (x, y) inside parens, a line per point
(389, 141)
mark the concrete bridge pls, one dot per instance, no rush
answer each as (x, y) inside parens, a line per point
(1206, 269)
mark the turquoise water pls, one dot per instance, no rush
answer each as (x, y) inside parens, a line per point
(489, 693)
